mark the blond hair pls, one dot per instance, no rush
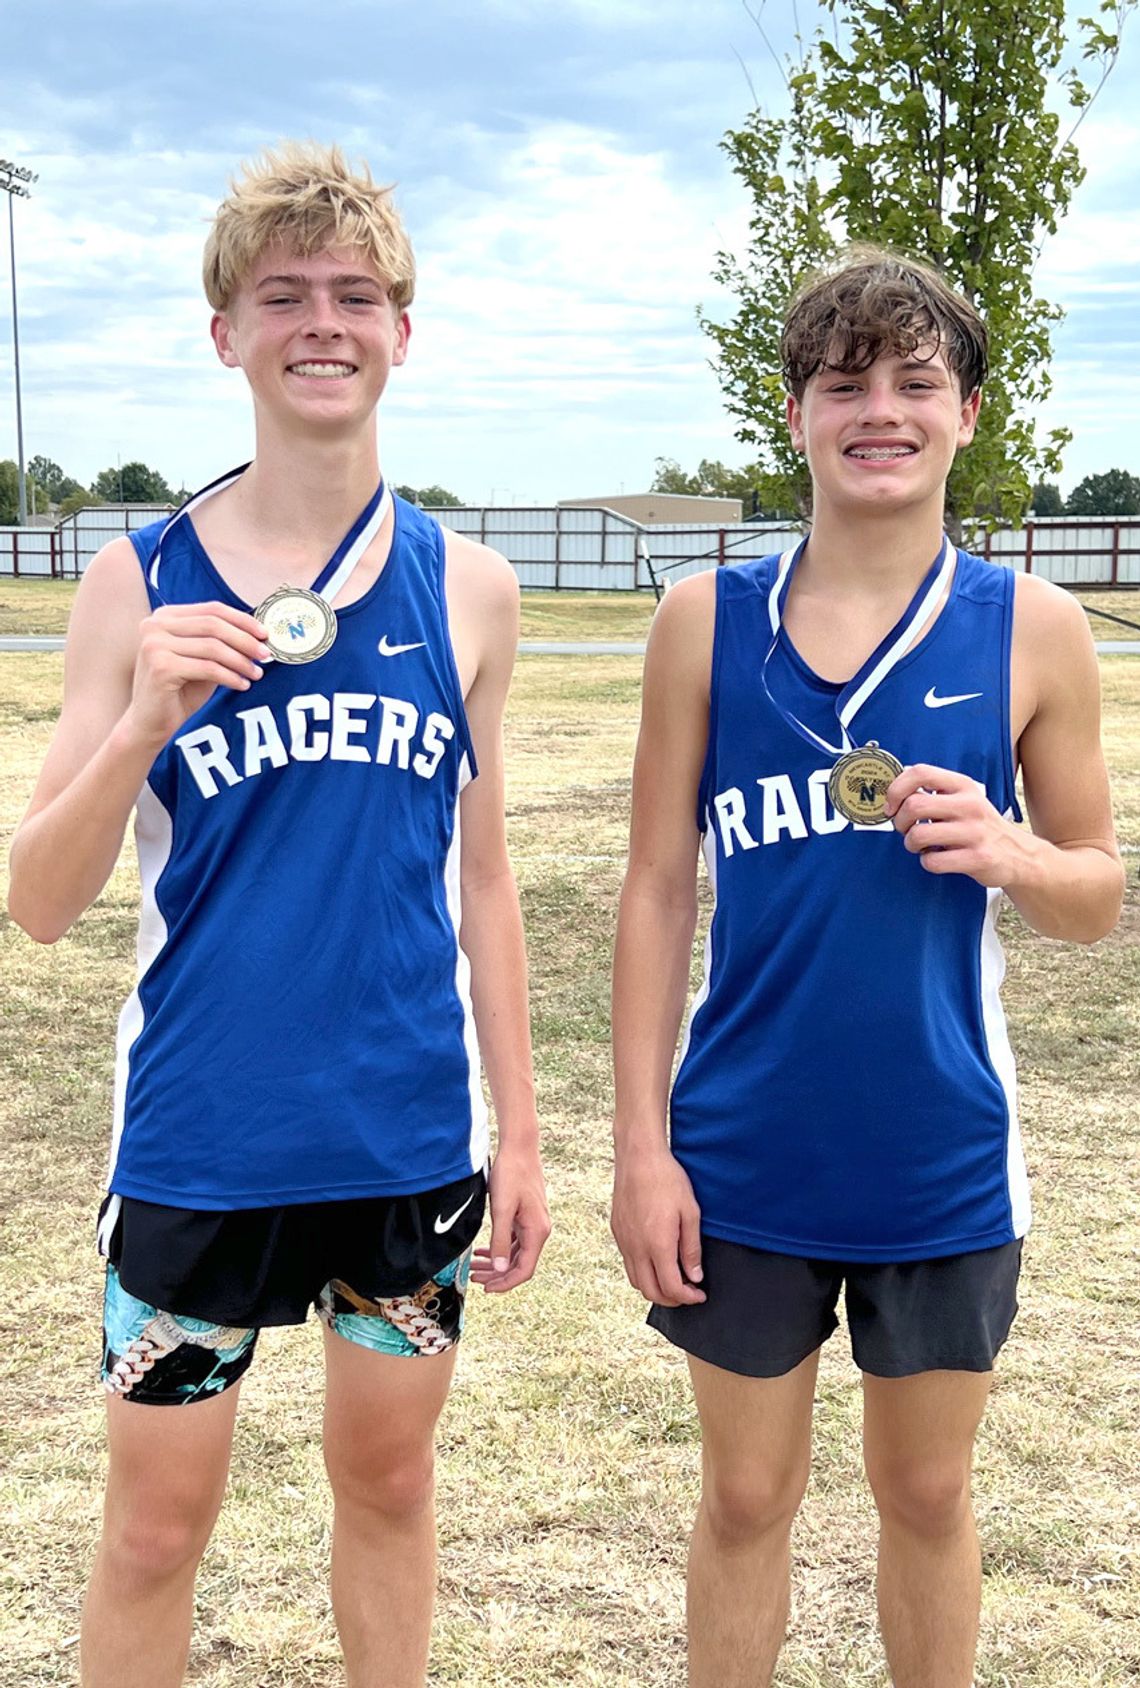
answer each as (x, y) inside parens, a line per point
(873, 301)
(305, 196)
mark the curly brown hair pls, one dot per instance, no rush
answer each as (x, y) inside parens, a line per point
(877, 301)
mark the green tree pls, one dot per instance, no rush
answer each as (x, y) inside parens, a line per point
(925, 127)
(51, 479)
(670, 477)
(37, 498)
(712, 479)
(9, 491)
(1115, 493)
(133, 483)
(79, 498)
(432, 497)
(1047, 500)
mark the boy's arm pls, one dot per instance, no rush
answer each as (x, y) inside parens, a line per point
(483, 599)
(1065, 876)
(656, 1221)
(130, 680)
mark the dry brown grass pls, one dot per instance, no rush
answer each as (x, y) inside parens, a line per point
(43, 606)
(569, 1458)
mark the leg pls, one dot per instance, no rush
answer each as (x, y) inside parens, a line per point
(165, 1484)
(918, 1444)
(756, 1453)
(381, 1411)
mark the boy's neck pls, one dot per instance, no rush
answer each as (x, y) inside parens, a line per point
(872, 552)
(308, 489)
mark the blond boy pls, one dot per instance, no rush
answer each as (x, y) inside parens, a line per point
(294, 684)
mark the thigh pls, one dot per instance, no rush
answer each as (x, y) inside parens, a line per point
(763, 1315)
(918, 1432)
(756, 1430)
(389, 1363)
(168, 1468)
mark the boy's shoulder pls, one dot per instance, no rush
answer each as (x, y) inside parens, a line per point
(145, 540)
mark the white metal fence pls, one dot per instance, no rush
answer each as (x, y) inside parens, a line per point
(64, 551)
(597, 550)
(559, 549)
(1071, 550)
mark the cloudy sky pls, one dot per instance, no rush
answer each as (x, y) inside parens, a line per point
(558, 168)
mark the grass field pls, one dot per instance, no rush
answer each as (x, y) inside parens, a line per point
(569, 1458)
(42, 606)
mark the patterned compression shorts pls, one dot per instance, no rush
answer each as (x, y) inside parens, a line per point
(169, 1359)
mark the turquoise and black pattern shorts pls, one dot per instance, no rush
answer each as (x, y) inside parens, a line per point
(170, 1359)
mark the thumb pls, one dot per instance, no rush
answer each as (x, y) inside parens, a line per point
(691, 1244)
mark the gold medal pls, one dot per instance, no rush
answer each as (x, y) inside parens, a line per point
(858, 783)
(299, 625)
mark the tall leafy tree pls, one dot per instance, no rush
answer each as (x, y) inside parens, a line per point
(133, 483)
(79, 499)
(711, 480)
(37, 498)
(1115, 493)
(9, 491)
(923, 125)
(1047, 500)
(47, 475)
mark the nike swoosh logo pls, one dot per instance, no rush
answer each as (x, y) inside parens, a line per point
(933, 702)
(386, 649)
(442, 1224)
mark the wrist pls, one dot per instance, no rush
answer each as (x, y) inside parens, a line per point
(130, 738)
(518, 1136)
(1029, 869)
(645, 1140)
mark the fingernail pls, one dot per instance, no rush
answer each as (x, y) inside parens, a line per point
(264, 650)
(695, 1275)
(500, 1263)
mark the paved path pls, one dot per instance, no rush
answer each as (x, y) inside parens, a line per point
(531, 647)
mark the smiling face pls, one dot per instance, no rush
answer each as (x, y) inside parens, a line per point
(316, 337)
(883, 437)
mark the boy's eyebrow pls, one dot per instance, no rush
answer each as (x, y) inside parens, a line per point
(908, 366)
(926, 365)
(337, 281)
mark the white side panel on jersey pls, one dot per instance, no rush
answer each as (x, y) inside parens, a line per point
(708, 850)
(1001, 1058)
(480, 1130)
(153, 834)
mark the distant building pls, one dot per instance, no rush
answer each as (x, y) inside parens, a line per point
(650, 507)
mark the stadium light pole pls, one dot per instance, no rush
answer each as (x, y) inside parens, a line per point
(15, 181)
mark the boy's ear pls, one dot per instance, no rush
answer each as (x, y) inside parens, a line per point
(969, 417)
(794, 413)
(403, 335)
(221, 335)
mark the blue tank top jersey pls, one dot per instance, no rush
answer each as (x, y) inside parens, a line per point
(846, 1088)
(302, 1028)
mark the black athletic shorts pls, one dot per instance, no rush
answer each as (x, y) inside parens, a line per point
(765, 1313)
(268, 1266)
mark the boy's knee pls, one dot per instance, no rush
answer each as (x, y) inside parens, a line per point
(741, 1505)
(397, 1483)
(928, 1499)
(145, 1549)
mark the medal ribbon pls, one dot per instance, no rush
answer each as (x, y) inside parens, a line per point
(343, 560)
(882, 659)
